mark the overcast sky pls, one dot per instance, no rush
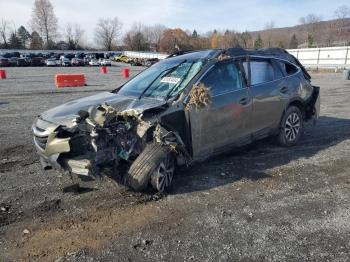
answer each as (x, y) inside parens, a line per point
(202, 15)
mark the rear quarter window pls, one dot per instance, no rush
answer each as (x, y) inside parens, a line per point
(287, 68)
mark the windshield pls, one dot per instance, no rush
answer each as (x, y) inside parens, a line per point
(162, 80)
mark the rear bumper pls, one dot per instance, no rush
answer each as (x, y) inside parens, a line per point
(312, 105)
(317, 106)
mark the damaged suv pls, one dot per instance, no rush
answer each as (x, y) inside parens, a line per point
(183, 109)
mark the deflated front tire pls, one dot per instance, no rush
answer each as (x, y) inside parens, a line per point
(155, 164)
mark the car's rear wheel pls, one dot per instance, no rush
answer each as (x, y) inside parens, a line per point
(155, 164)
(291, 127)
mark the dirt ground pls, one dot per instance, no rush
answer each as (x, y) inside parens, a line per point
(257, 203)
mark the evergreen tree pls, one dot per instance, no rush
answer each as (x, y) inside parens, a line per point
(194, 34)
(36, 41)
(14, 41)
(23, 36)
(50, 45)
(293, 44)
(310, 40)
(258, 43)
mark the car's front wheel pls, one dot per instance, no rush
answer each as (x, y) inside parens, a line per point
(155, 164)
(291, 127)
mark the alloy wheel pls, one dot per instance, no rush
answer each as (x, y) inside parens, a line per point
(292, 127)
(163, 175)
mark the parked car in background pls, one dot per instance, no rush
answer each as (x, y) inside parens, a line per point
(21, 62)
(11, 54)
(25, 56)
(121, 58)
(77, 62)
(80, 55)
(51, 62)
(86, 60)
(135, 61)
(70, 56)
(37, 61)
(13, 61)
(4, 61)
(94, 62)
(66, 62)
(105, 62)
(150, 62)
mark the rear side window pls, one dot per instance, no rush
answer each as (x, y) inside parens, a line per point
(262, 71)
(223, 78)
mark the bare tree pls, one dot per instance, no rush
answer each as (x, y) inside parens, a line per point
(137, 38)
(74, 34)
(44, 20)
(310, 19)
(107, 32)
(269, 27)
(341, 13)
(246, 39)
(4, 27)
(154, 34)
(311, 23)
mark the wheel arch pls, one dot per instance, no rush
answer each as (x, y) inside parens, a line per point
(297, 102)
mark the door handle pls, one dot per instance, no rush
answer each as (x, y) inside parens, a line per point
(284, 90)
(243, 101)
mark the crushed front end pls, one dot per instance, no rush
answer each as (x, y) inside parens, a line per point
(98, 138)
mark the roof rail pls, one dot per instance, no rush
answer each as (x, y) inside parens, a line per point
(181, 53)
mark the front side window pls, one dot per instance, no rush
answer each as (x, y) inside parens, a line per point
(223, 78)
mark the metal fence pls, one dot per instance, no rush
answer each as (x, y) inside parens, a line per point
(326, 57)
(314, 58)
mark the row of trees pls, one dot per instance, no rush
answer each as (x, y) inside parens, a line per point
(108, 34)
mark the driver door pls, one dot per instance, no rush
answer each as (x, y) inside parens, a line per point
(224, 122)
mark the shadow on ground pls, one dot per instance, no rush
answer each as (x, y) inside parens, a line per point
(252, 161)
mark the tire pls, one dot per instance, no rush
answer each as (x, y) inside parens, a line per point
(146, 166)
(291, 127)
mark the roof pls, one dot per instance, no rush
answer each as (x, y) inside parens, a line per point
(234, 52)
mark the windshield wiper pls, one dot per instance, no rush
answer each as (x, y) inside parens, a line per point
(171, 69)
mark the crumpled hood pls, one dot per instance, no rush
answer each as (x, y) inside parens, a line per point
(65, 113)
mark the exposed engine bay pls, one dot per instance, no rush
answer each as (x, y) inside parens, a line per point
(103, 136)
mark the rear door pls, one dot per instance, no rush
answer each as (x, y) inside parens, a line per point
(268, 89)
(225, 120)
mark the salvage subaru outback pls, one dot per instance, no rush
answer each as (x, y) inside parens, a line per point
(183, 109)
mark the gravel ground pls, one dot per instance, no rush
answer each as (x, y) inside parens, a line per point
(257, 203)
